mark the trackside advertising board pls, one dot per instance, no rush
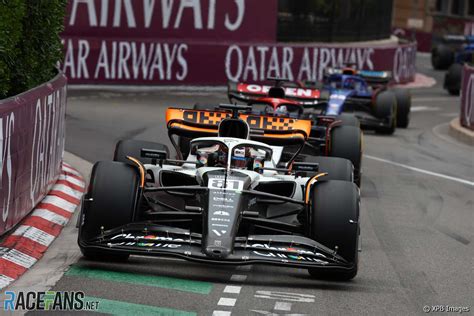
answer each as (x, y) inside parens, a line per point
(202, 42)
(467, 97)
(31, 144)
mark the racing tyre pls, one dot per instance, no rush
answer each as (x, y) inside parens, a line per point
(183, 142)
(452, 79)
(346, 142)
(336, 168)
(133, 147)
(348, 119)
(109, 203)
(335, 222)
(386, 109)
(403, 97)
(442, 57)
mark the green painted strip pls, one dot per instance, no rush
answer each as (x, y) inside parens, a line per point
(122, 308)
(140, 279)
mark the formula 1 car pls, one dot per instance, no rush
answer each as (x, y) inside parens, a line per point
(232, 201)
(366, 93)
(452, 49)
(331, 135)
(453, 77)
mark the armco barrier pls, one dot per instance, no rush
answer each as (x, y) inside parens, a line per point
(203, 42)
(467, 97)
(31, 144)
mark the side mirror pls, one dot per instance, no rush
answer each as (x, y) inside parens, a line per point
(154, 154)
(305, 166)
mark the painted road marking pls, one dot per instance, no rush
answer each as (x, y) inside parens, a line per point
(423, 108)
(221, 313)
(198, 287)
(238, 278)
(34, 234)
(435, 174)
(282, 306)
(286, 296)
(125, 309)
(232, 289)
(27, 243)
(226, 301)
(50, 216)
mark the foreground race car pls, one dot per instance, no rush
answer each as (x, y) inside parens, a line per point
(331, 135)
(367, 95)
(230, 202)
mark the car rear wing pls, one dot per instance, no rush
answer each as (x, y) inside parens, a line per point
(273, 130)
(372, 77)
(249, 93)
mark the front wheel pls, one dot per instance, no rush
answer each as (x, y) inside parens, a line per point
(335, 167)
(335, 222)
(110, 202)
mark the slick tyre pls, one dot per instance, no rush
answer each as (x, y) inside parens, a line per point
(403, 97)
(109, 203)
(335, 222)
(184, 142)
(335, 167)
(133, 147)
(348, 119)
(346, 142)
(386, 110)
(452, 79)
(442, 57)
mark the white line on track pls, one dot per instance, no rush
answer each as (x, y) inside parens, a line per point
(226, 301)
(221, 313)
(232, 289)
(423, 108)
(282, 306)
(238, 277)
(431, 173)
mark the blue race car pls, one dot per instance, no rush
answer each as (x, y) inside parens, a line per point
(367, 94)
(452, 79)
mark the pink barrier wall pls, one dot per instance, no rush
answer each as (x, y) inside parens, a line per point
(467, 98)
(31, 143)
(202, 42)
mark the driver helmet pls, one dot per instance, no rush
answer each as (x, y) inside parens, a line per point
(211, 156)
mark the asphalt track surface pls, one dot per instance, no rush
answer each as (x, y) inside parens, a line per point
(417, 227)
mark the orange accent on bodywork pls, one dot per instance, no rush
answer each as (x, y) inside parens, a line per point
(140, 168)
(310, 183)
(267, 123)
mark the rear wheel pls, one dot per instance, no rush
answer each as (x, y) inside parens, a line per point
(346, 142)
(336, 168)
(442, 57)
(335, 222)
(452, 79)
(403, 107)
(386, 110)
(109, 203)
(132, 148)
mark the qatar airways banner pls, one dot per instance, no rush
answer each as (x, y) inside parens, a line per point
(467, 97)
(31, 144)
(149, 62)
(202, 42)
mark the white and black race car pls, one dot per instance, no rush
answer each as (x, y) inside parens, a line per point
(232, 201)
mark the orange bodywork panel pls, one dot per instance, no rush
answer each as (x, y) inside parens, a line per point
(208, 121)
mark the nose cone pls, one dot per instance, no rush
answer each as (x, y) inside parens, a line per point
(217, 252)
